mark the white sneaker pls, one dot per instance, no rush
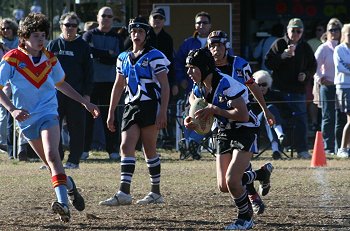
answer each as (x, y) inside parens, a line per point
(240, 224)
(114, 156)
(151, 198)
(62, 210)
(304, 155)
(118, 199)
(84, 156)
(342, 153)
(70, 165)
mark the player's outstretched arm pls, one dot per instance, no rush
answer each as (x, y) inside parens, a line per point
(254, 88)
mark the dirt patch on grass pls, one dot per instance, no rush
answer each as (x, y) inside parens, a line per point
(301, 198)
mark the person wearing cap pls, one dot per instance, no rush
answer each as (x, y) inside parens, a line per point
(158, 37)
(161, 40)
(142, 71)
(237, 126)
(105, 45)
(293, 63)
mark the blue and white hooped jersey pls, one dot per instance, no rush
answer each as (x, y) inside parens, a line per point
(142, 83)
(241, 70)
(226, 90)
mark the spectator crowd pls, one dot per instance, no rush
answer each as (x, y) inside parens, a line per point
(308, 84)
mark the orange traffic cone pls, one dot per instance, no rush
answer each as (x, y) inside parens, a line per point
(318, 155)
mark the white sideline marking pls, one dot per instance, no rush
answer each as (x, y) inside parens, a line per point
(326, 193)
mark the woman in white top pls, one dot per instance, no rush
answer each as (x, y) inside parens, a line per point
(331, 126)
(342, 82)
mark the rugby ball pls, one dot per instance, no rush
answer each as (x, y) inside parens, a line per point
(203, 125)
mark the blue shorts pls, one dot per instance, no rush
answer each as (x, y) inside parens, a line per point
(32, 132)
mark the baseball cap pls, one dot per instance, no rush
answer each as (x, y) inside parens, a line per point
(295, 23)
(158, 11)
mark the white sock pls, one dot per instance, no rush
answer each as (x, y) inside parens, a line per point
(279, 130)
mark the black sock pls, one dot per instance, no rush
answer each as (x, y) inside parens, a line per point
(244, 206)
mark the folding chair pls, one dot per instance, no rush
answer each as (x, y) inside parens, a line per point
(208, 142)
(289, 128)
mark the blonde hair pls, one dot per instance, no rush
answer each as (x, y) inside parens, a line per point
(263, 76)
(333, 22)
(344, 30)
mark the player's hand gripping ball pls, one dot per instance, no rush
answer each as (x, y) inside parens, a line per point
(203, 125)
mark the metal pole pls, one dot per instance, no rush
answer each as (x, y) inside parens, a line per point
(14, 143)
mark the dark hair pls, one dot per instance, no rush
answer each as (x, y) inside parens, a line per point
(140, 22)
(11, 23)
(203, 13)
(34, 22)
(71, 15)
(322, 24)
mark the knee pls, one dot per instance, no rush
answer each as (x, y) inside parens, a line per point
(233, 183)
(124, 148)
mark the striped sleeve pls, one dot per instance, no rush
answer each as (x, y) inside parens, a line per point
(159, 61)
(120, 61)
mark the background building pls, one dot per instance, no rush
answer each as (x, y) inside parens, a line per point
(246, 21)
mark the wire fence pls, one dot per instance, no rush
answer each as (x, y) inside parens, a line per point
(176, 113)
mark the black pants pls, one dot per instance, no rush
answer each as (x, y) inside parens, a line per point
(74, 113)
(101, 97)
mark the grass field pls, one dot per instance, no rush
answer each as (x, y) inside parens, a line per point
(301, 198)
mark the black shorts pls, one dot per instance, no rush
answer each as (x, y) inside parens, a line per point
(243, 138)
(143, 114)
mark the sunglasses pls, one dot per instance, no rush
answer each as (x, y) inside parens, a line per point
(334, 30)
(74, 25)
(106, 15)
(5, 28)
(202, 22)
(158, 17)
(262, 84)
(297, 31)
